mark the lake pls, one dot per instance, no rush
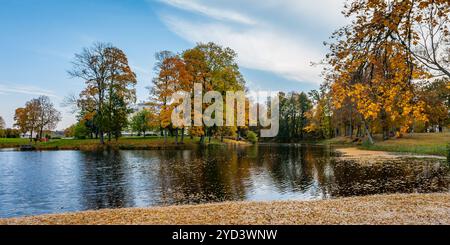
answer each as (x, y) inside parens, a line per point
(34, 183)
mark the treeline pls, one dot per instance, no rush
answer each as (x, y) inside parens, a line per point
(104, 107)
(388, 72)
(37, 118)
(7, 132)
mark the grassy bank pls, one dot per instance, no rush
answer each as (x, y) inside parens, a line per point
(12, 143)
(389, 209)
(426, 144)
(130, 143)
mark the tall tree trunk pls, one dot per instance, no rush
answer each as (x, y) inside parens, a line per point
(182, 135)
(41, 131)
(102, 137)
(384, 125)
(31, 136)
(176, 136)
(369, 134)
(165, 136)
(351, 123)
(202, 139)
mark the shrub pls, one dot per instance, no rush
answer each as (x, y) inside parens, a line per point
(81, 131)
(11, 133)
(252, 137)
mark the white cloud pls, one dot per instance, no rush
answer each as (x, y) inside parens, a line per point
(263, 42)
(327, 12)
(257, 48)
(220, 14)
(25, 89)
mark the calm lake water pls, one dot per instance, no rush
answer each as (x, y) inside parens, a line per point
(33, 183)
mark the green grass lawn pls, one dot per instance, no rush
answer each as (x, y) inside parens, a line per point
(426, 143)
(122, 143)
(11, 143)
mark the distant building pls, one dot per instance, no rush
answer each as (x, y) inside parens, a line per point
(139, 107)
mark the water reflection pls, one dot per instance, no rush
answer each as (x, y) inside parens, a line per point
(52, 182)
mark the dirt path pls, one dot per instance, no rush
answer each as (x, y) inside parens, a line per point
(366, 155)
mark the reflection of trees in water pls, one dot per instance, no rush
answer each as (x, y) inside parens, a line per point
(299, 168)
(202, 175)
(103, 181)
(395, 176)
(218, 173)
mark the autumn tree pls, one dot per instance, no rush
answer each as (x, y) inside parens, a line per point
(422, 26)
(91, 65)
(179, 79)
(121, 92)
(21, 121)
(436, 95)
(320, 116)
(48, 116)
(31, 116)
(215, 68)
(371, 68)
(36, 116)
(109, 87)
(197, 67)
(164, 85)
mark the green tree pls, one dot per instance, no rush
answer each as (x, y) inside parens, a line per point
(80, 131)
(141, 122)
(294, 109)
(109, 87)
(121, 92)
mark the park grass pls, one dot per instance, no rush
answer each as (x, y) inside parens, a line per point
(423, 144)
(126, 143)
(13, 143)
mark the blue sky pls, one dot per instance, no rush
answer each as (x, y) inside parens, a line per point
(276, 41)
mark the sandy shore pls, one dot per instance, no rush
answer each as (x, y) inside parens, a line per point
(375, 156)
(382, 209)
